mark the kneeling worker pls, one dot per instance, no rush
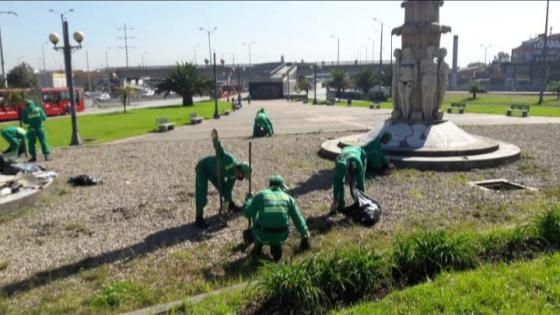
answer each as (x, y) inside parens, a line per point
(349, 166)
(17, 139)
(262, 126)
(270, 210)
(230, 170)
(376, 160)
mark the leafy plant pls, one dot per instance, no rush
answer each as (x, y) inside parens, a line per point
(125, 92)
(365, 80)
(304, 84)
(339, 81)
(187, 81)
(554, 86)
(474, 87)
(424, 255)
(22, 76)
(548, 227)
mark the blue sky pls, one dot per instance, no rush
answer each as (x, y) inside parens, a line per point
(167, 31)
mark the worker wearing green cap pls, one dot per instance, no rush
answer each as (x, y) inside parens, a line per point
(262, 126)
(270, 210)
(206, 170)
(35, 116)
(377, 161)
(17, 139)
(349, 166)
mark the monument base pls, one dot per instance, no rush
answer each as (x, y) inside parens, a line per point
(431, 146)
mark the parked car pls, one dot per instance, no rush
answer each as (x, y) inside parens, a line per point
(147, 93)
(103, 97)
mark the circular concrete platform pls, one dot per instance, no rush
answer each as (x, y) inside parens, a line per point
(442, 146)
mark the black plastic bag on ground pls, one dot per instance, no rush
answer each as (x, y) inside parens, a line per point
(84, 180)
(364, 210)
(260, 132)
(9, 167)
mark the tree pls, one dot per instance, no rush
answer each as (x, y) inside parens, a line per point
(365, 80)
(22, 76)
(474, 87)
(304, 84)
(555, 87)
(125, 92)
(339, 81)
(185, 80)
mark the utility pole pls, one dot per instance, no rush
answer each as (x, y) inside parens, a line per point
(545, 74)
(380, 45)
(43, 53)
(126, 37)
(216, 110)
(194, 46)
(88, 72)
(4, 78)
(107, 58)
(209, 31)
(337, 49)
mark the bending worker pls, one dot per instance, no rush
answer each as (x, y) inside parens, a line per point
(17, 139)
(350, 166)
(230, 170)
(262, 126)
(34, 116)
(376, 160)
(270, 210)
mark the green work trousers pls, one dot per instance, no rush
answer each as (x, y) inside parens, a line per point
(32, 136)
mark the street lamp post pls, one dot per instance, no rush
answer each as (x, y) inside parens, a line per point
(485, 46)
(315, 67)
(337, 49)
(67, 51)
(365, 59)
(380, 46)
(209, 31)
(4, 78)
(216, 111)
(545, 74)
(194, 47)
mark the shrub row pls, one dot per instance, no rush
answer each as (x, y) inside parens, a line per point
(321, 282)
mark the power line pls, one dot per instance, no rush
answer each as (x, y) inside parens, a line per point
(126, 38)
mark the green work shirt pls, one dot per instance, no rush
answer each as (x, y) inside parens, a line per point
(270, 210)
(15, 132)
(349, 156)
(34, 116)
(262, 119)
(227, 169)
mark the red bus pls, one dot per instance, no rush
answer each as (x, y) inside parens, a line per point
(55, 101)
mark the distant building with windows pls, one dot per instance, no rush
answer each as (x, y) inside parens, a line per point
(531, 50)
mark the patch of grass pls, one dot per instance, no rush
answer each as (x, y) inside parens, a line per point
(96, 275)
(230, 302)
(420, 257)
(113, 126)
(521, 288)
(4, 264)
(122, 294)
(314, 284)
(77, 228)
(548, 227)
(413, 193)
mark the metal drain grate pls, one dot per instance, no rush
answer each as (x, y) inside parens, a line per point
(500, 184)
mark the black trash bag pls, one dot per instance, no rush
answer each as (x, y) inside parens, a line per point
(364, 210)
(260, 132)
(8, 167)
(84, 180)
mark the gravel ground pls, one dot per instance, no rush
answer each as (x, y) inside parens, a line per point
(147, 199)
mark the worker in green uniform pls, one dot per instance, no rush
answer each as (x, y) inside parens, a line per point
(349, 166)
(262, 125)
(376, 160)
(230, 170)
(34, 116)
(270, 210)
(17, 139)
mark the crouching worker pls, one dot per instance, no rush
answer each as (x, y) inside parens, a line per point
(262, 126)
(17, 139)
(376, 160)
(230, 170)
(270, 211)
(350, 166)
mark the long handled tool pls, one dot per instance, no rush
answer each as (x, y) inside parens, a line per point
(218, 173)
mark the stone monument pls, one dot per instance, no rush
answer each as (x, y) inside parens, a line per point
(422, 138)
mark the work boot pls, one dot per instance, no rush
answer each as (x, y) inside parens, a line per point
(276, 252)
(47, 158)
(33, 159)
(200, 223)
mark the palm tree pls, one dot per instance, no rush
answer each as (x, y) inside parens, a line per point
(185, 80)
(554, 86)
(474, 87)
(126, 92)
(304, 84)
(365, 80)
(339, 81)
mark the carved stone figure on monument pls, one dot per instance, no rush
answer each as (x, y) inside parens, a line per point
(443, 73)
(397, 113)
(407, 81)
(429, 77)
